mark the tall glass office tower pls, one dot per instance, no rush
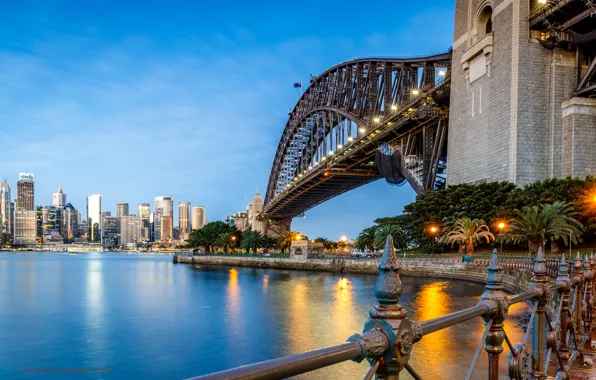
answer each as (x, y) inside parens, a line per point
(94, 219)
(25, 224)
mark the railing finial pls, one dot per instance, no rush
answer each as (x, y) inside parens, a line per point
(563, 274)
(578, 261)
(388, 288)
(540, 264)
(587, 265)
(494, 281)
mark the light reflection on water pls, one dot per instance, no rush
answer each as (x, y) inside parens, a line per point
(143, 317)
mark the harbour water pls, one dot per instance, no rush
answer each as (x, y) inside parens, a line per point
(112, 316)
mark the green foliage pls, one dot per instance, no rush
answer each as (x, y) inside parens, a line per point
(366, 239)
(251, 240)
(469, 232)
(225, 241)
(328, 245)
(400, 240)
(268, 242)
(208, 235)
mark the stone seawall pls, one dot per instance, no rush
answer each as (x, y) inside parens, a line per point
(515, 280)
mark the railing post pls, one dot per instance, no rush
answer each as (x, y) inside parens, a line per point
(564, 280)
(540, 285)
(593, 267)
(588, 278)
(498, 304)
(578, 274)
(389, 318)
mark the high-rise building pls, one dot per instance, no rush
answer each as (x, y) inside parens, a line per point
(166, 228)
(144, 212)
(164, 206)
(25, 228)
(106, 213)
(130, 229)
(198, 217)
(94, 219)
(70, 223)
(184, 219)
(110, 231)
(257, 207)
(6, 221)
(121, 209)
(59, 198)
(49, 223)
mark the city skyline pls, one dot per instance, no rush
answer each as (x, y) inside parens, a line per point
(215, 94)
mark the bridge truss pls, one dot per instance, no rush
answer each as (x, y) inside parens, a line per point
(570, 24)
(358, 122)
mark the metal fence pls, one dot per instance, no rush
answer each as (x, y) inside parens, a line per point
(560, 325)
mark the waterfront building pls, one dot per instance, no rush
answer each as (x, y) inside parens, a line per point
(167, 232)
(184, 218)
(164, 206)
(130, 229)
(144, 212)
(49, 223)
(106, 213)
(198, 217)
(70, 223)
(156, 225)
(238, 220)
(59, 198)
(25, 228)
(94, 219)
(110, 231)
(121, 209)
(6, 222)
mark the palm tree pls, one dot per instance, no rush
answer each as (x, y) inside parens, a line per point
(537, 224)
(225, 240)
(269, 242)
(251, 240)
(366, 239)
(400, 240)
(469, 232)
(288, 237)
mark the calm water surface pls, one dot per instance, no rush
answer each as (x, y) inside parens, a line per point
(140, 316)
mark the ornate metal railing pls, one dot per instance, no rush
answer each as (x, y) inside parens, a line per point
(560, 326)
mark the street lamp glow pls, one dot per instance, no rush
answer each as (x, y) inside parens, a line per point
(298, 237)
(343, 238)
(501, 225)
(542, 1)
(433, 229)
(415, 92)
(442, 73)
(376, 119)
(394, 107)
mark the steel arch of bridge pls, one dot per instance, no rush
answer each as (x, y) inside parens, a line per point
(343, 116)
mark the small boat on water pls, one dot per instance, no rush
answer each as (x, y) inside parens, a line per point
(84, 249)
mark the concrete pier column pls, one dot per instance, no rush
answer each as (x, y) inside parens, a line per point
(579, 137)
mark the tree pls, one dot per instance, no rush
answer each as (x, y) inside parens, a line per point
(366, 238)
(225, 240)
(208, 235)
(251, 240)
(400, 239)
(269, 242)
(538, 224)
(469, 232)
(288, 237)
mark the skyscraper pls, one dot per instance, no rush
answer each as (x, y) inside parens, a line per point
(110, 231)
(5, 215)
(166, 228)
(198, 217)
(25, 226)
(121, 209)
(130, 229)
(59, 198)
(144, 212)
(184, 218)
(94, 219)
(164, 206)
(70, 223)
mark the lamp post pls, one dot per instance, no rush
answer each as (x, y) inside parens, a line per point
(433, 231)
(501, 226)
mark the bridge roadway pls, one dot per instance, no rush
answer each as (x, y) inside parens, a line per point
(333, 135)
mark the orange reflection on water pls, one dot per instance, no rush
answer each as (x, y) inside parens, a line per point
(300, 319)
(233, 297)
(343, 310)
(432, 301)
(265, 283)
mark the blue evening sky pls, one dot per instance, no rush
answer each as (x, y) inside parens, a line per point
(133, 99)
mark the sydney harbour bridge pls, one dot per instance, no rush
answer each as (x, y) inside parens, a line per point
(374, 118)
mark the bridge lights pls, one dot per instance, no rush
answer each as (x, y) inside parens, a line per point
(415, 92)
(309, 167)
(362, 130)
(442, 73)
(330, 153)
(339, 146)
(376, 119)
(350, 139)
(542, 1)
(324, 158)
